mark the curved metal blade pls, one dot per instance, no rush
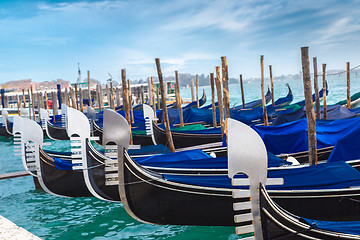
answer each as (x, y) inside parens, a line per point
(77, 124)
(149, 117)
(91, 113)
(247, 154)
(30, 130)
(5, 117)
(115, 129)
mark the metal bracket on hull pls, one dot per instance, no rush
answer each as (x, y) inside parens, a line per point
(149, 117)
(28, 138)
(116, 130)
(44, 118)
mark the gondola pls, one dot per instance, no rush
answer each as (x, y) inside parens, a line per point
(200, 200)
(256, 103)
(142, 140)
(285, 100)
(6, 128)
(182, 139)
(278, 223)
(256, 212)
(59, 182)
(202, 101)
(54, 132)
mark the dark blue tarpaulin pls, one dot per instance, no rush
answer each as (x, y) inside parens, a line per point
(335, 175)
(196, 159)
(333, 112)
(350, 227)
(347, 148)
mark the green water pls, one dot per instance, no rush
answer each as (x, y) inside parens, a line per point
(51, 217)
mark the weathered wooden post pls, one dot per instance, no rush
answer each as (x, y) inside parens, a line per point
(225, 85)
(324, 92)
(29, 103)
(149, 92)
(178, 98)
(212, 84)
(197, 91)
(89, 89)
(73, 99)
(6, 101)
(272, 86)
(47, 103)
(99, 96)
(76, 98)
(18, 101)
(117, 92)
(310, 114)
(316, 89)
(66, 97)
(220, 99)
(108, 95)
(24, 99)
(263, 91)
(164, 108)
(81, 100)
(112, 101)
(130, 101)
(142, 94)
(348, 99)
(153, 95)
(242, 91)
(192, 90)
(158, 98)
(33, 103)
(55, 104)
(126, 100)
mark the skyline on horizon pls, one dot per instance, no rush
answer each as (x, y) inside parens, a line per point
(45, 40)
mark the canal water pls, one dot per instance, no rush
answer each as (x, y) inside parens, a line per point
(51, 217)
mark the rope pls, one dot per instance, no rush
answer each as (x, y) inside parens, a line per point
(330, 74)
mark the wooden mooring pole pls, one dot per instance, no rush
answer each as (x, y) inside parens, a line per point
(242, 91)
(126, 100)
(30, 110)
(178, 98)
(192, 90)
(348, 99)
(316, 90)
(197, 91)
(226, 96)
(212, 83)
(263, 91)
(89, 89)
(220, 99)
(310, 114)
(164, 108)
(33, 103)
(272, 86)
(153, 95)
(324, 91)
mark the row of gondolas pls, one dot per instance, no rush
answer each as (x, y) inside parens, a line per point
(256, 179)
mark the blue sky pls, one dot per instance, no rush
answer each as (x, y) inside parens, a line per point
(45, 40)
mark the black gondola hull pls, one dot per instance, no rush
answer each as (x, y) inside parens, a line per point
(69, 183)
(182, 140)
(152, 199)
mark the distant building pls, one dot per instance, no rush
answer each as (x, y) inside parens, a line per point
(17, 86)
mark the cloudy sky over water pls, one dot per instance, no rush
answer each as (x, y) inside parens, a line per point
(45, 40)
